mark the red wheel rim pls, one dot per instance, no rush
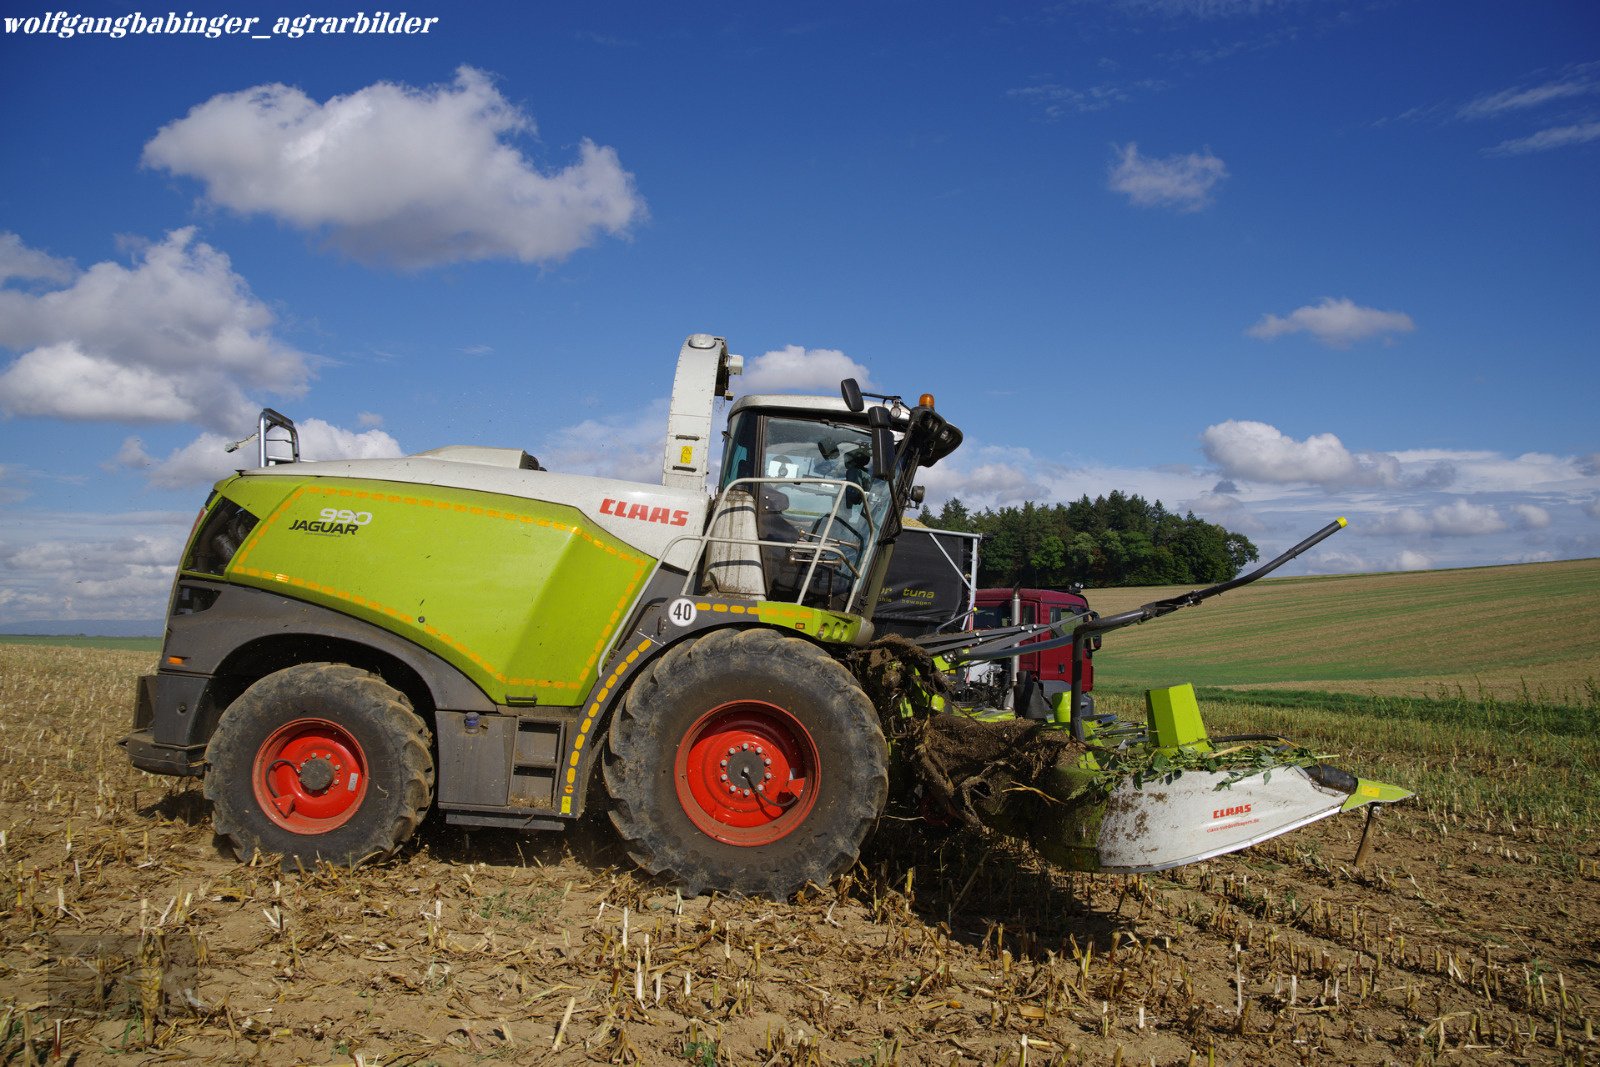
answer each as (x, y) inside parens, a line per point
(747, 773)
(310, 776)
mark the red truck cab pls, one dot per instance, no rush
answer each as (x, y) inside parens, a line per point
(1051, 670)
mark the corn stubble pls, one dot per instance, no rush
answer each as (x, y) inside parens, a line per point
(124, 931)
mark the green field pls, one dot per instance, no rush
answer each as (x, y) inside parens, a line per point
(1508, 631)
(126, 644)
(1478, 688)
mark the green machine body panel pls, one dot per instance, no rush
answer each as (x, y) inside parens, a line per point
(521, 595)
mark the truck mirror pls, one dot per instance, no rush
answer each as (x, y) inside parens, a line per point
(882, 441)
(851, 392)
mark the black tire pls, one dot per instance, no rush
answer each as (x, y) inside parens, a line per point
(767, 697)
(319, 761)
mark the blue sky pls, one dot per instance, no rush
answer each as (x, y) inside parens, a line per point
(1269, 261)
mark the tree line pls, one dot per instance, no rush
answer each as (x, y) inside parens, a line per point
(1110, 540)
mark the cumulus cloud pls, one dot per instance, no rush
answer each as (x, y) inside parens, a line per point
(397, 174)
(629, 445)
(1342, 561)
(1530, 516)
(1000, 478)
(176, 336)
(207, 459)
(19, 261)
(1458, 518)
(91, 566)
(794, 369)
(1184, 182)
(1259, 452)
(1336, 323)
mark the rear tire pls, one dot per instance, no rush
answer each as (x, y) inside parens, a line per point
(745, 761)
(319, 761)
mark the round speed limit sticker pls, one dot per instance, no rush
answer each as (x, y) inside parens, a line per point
(681, 611)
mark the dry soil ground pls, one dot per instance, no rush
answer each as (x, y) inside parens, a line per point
(126, 936)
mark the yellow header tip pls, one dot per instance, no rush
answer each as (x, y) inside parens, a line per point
(1342, 523)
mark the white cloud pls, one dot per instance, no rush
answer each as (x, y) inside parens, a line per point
(396, 174)
(91, 566)
(1256, 451)
(178, 336)
(1458, 518)
(1182, 182)
(1059, 100)
(19, 261)
(1199, 9)
(206, 459)
(1592, 508)
(1408, 560)
(1336, 323)
(1545, 140)
(627, 446)
(794, 369)
(1574, 83)
(989, 477)
(1530, 516)
(320, 440)
(1327, 560)
(64, 382)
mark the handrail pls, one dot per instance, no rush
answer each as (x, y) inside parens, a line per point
(272, 420)
(817, 549)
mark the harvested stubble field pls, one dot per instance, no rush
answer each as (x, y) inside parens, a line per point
(127, 937)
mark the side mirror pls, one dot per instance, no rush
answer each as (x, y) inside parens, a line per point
(882, 440)
(851, 392)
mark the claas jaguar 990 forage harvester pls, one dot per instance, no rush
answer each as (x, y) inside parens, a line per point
(353, 643)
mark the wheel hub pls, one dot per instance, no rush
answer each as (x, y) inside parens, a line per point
(310, 776)
(316, 774)
(746, 773)
(748, 769)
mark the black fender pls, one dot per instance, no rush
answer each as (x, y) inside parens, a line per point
(212, 655)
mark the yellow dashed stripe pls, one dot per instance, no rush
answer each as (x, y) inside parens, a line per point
(731, 609)
(588, 721)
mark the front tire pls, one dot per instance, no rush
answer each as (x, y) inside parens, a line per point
(319, 761)
(745, 761)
